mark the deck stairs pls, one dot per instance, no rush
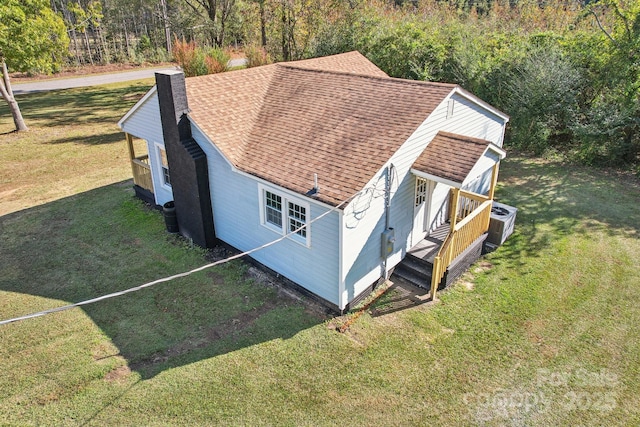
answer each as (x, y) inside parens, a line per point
(417, 265)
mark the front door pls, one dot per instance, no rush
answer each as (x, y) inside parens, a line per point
(422, 206)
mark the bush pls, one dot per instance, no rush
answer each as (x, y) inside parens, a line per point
(216, 60)
(256, 56)
(189, 58)
(539, 91)
(407, 51)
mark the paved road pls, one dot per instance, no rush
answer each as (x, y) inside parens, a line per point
(101, 79)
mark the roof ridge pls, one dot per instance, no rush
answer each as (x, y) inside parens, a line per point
(367, 76)
(325, 71)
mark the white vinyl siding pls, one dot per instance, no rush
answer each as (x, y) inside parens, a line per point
(470, 119)
(238, 212)
(479, 179)
(364, 217)
(144, 123)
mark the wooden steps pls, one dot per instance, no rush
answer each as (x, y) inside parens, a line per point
(415, 271)
(416, 268)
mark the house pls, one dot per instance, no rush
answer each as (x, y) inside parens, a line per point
(358, 170)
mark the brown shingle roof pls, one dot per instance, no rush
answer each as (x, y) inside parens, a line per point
(285, 122)
(451, 156)
(350, 62)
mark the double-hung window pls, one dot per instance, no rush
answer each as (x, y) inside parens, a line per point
(285, 215)
(273, 208)
(297, 219)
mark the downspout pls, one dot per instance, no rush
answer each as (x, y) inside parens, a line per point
(388, 235)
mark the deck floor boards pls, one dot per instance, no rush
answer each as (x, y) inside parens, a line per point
(427, 248)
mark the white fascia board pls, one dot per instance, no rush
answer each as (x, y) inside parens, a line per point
(498, 150)
(133, 109)
(471, 97)
(436, 178)
(286, 191)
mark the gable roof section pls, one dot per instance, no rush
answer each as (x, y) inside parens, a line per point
(284, 122)
(451, 157)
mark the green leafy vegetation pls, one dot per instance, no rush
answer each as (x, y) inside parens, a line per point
(566, 72)
(198, 61)
(567, 76)
(33, 39)
(541, 332)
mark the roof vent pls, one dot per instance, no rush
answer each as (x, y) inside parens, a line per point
(315, 188)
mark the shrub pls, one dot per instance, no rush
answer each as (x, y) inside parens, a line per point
(196, 61)
(189, 58)
(216, 60)
(256, 56)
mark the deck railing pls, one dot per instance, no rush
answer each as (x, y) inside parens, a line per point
(142, 172)
(469, 202)
(472, 224)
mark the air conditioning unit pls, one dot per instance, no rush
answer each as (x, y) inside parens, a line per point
(502, 223)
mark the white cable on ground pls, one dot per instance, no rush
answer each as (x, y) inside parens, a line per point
(175, 276)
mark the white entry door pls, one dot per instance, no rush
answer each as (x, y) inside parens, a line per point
(422, 206)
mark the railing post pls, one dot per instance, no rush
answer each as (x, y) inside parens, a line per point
(453, 216)
(132, 156)
(436, 276)
(494, 180)
(130, 146)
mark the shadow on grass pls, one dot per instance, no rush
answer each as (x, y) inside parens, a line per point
(555, 200)
(103, 138)
(103, 241)
(97, 104)
(400, 296)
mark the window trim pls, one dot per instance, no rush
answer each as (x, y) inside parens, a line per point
(285, 199)
(159, 149)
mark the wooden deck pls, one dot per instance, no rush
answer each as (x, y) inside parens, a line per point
(417, 267)
(427, 248)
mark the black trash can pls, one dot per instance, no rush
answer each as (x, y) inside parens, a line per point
(170, 219)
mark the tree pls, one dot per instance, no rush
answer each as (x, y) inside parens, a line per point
(32, 39)
(611, 130)
(218, 12)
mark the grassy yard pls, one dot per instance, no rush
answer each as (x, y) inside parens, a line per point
(541, 332)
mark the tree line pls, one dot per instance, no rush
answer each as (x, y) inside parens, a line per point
(566, 71)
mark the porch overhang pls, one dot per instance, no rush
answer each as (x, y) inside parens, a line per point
(436, 178)
(450, 158)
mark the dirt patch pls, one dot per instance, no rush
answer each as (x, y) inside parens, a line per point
(469, 286)
(482, 266)
(535, 330)
(118, 374)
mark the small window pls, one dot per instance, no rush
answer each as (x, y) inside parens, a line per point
(273, 208)
(421, 191)
(166, 178)
(297, 219)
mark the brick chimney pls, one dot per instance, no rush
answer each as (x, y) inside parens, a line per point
(187, 162)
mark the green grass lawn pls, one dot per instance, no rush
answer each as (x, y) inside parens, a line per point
(541, 332)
